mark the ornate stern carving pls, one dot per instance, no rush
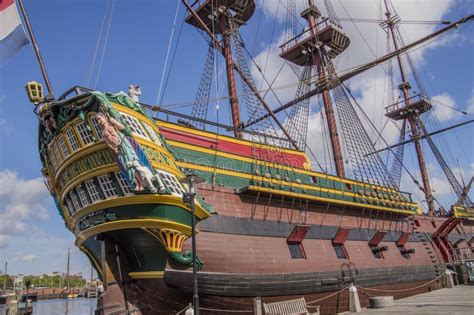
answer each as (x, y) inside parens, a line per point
(173, 241)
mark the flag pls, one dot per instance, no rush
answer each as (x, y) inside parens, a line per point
(12, 35)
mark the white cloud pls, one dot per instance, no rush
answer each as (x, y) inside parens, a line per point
(470, 104)
(25, 258)
(442, 106)
(20, 200)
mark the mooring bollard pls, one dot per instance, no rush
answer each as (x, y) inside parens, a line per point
(257, 306)
(354, 303)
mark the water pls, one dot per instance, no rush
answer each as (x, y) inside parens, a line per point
(79, 306)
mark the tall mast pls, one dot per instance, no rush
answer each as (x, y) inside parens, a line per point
(36, 49)
(412, 115)
(311, 14)
(229, 64)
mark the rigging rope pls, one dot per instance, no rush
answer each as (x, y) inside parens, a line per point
(168, 51)
(92, 66)
(106, 40)
(200, 106)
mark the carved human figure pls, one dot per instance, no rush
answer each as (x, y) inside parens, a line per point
(145, 177)
(117, 141)
(139, 175)
(134, 92)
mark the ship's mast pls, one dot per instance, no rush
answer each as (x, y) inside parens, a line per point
(229, 64)
(411, 115)
(311, 15)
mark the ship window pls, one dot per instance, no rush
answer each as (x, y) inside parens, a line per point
(314, 179)
(56, 158)
(296, 250)
(417, 223)
(70, 207)
(123, 184)
(75, 201)
(82, 195)
(340, 250)
(348, 187)
(108, 186)
(134, 125)
(152, 134)
(97, 127)
(171, 183)
(92, 190)
(63, 146)
(84, 133)
(71, 137)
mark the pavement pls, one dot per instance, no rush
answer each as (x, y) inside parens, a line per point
(456, 301)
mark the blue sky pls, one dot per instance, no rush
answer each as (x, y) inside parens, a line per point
(136, 49)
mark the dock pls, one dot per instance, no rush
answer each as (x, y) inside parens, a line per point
(458, 300)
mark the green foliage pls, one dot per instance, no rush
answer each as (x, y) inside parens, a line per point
(7, 280)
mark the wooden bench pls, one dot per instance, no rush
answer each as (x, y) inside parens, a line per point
(297, 306)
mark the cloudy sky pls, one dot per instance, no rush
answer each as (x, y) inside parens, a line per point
(32, 235)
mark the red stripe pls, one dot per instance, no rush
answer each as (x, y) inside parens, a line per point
(5, 4)
(289, 159)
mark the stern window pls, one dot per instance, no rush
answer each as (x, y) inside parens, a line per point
(92, 190)
(134, 125)
(71, 137)
(62, 144)
(84, 133)
(108, 186)
(171, 183)
(75, 201)
(82, 195)
(123, 184)
(97, 127)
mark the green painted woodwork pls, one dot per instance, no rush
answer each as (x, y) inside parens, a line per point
(86, 163)
(137, 211)
(186, 259)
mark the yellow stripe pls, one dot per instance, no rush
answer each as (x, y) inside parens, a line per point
(133, 200)
(131, 224)
(273, 165)
(290, 184)
(322, 199)
(146, 274)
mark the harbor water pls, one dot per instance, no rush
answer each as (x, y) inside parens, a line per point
(79, 306)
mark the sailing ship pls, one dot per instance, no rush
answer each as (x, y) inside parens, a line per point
(268, 225)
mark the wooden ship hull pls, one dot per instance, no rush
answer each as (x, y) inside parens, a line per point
(268, 226)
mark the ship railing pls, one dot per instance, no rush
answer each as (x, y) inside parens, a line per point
(325, 23)
(407, 195)
(74, 91)
(461, 255)
(399, 105)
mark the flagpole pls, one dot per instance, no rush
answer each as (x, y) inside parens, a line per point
(36, 49)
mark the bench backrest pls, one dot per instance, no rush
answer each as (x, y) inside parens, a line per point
(297, 306)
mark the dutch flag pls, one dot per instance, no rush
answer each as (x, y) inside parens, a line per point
(12, 35)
